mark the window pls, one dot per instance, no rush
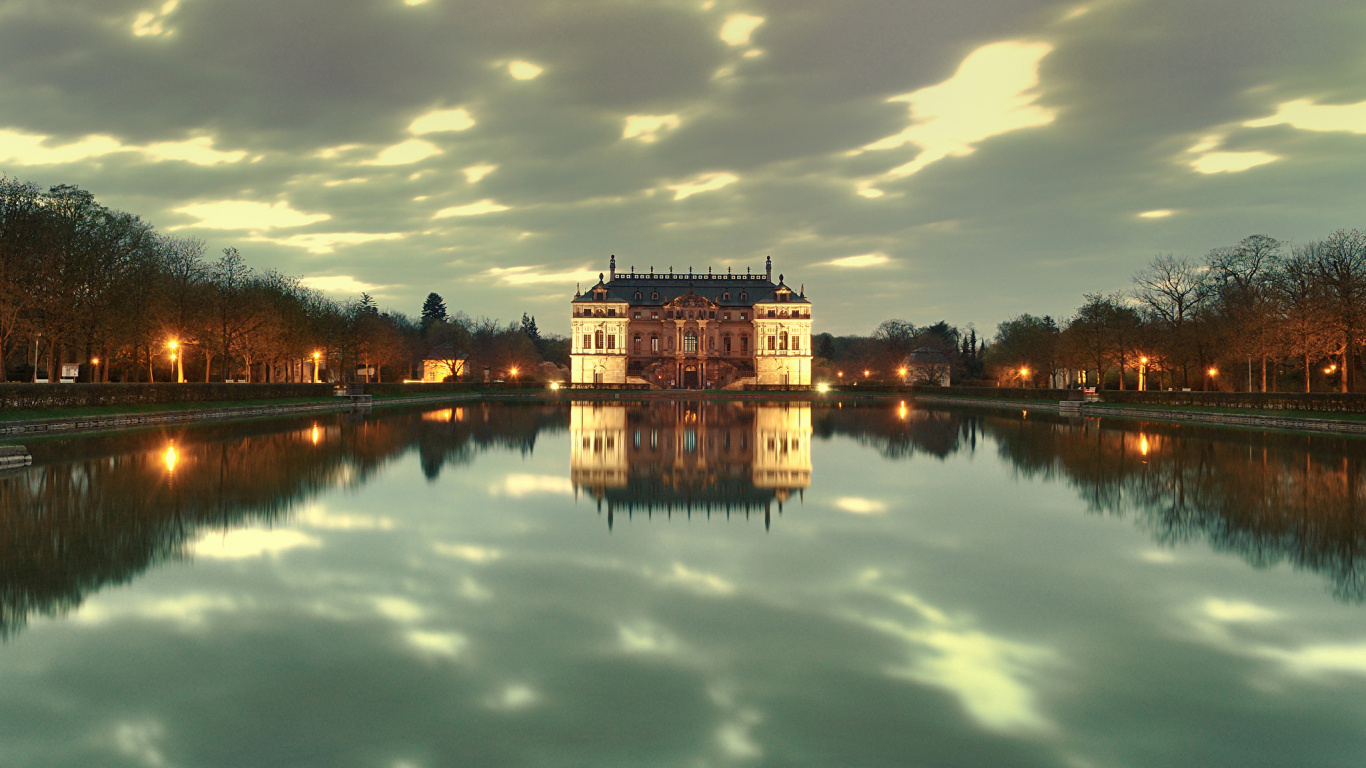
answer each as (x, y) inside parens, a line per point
(690, 342)
(744, 296)
(744, 315)
(711, 314)
(725, 296)
(669, 315)
(782, 341)
(654, 315)
(637, 342)
(598, 336)
(725, 315)
(711, 343)
(654, 343)
(612, 312)
(772, 313)
(637, 295)
(637, 315)
(744, 344)
(611, 341)
(771, 343)
(587, 341)
(654, 296)
(725, 344)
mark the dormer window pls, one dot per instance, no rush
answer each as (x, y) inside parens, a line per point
(744, 296)
(654, 296)
(725, 296)
(637, 295)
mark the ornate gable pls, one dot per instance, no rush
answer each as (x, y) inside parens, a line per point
(691, 300)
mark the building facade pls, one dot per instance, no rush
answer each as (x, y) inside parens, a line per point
(691, 331)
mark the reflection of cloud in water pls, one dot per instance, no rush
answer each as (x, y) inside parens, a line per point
(645, 637)
(518, 485)
(1232, 611)
(855, 505)
(442, 643)
(700, 581)
(985, 672)
(188, 610)
(399, 609)
(250, 542)
(513, 697)
(138, 741)
(470, 552)
(473, 590)
(316, 516)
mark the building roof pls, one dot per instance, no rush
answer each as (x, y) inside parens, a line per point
(928, 356)
(724, 290)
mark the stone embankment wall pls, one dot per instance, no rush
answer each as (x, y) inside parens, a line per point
(14, 456)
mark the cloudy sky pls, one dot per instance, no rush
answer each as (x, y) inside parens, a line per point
(926, 160)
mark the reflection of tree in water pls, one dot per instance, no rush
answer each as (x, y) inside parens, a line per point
(898, 430)
(1268, 497)
(100, 510)
(456, 435)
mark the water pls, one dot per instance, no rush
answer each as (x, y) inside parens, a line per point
(685, 584)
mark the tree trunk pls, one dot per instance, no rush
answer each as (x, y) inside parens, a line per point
(1306, 373)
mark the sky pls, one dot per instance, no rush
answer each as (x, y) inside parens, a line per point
(921, 160)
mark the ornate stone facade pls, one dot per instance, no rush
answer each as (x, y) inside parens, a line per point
(691, 331)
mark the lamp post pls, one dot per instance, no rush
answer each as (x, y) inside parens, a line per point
(1024, 377)
(94, 369)
(175, 361)
(316, 355)
(1142, 370)
(1212, 372)
(902, 372)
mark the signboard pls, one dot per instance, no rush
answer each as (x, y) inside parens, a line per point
(71, 370)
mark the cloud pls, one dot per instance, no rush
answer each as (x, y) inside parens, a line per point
(993, 92)
(858, 262)
(1231, 162)
(34, 149)
(703, 182)
(251, 542)
(316, 516)
(700, 581)
(247, 214)
(524, 70)
(442, 120)
(406, 153)
(151, 23)
(1308, 116)
(738, 27)
(1160, 213)
(474, 173)
(647, 128)
(532, 275)
(327, 242)
(345, 284)
(471, 209)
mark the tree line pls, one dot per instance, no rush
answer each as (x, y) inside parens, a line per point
(84, 284)
(1259, 315)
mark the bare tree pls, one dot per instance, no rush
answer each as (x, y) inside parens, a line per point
(1173, 291)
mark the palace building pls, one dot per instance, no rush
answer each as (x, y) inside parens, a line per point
(691, 331)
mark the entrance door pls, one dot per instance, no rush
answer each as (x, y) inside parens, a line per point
(690, 377)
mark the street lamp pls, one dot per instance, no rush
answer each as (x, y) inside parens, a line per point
(1024, 376)
(513, 373)
(1212, 372)
(1142, 369)
(316, 355)
(176, 361)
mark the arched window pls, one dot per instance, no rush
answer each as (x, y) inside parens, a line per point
(637, 295)
(725, 296)
(690, 341)
(654, 295)
(598, 338)
(744, 296)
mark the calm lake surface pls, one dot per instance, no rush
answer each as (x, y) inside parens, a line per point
(685, 584)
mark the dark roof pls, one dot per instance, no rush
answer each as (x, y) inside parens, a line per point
(928, 356)
(757, 288)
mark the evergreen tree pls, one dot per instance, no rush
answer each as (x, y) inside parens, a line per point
(433, 311)
(529, 328)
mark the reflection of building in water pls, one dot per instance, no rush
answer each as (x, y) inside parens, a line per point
(690, 456)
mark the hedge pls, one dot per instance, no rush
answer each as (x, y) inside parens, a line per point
(1271, 401)
(25, 396)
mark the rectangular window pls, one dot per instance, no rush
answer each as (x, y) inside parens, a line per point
(669, 315)
(613, 313)
(744, 343)
(744, 315)
(725, 315)
(711, 314)
(611, 341)
(654, 343)
(637, 316)
(654, 315)
(772, 343)
(772, 313)
(588, 341)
